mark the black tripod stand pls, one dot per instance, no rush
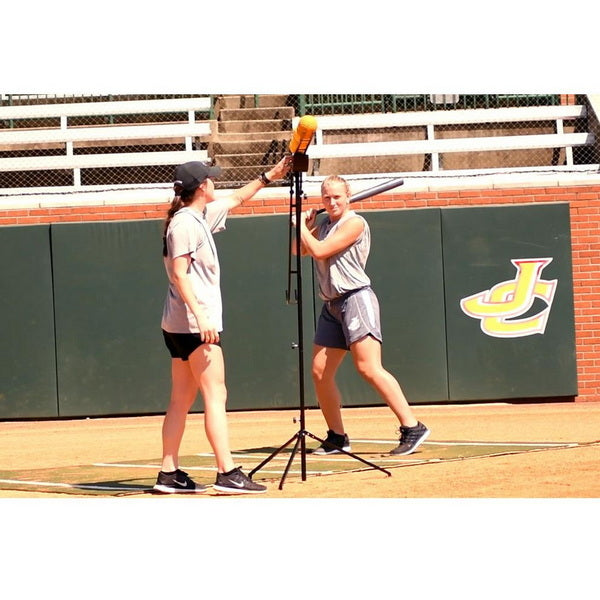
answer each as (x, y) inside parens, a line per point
(300, 165)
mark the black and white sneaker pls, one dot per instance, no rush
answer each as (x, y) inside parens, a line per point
(410, 439)
(177, 482)
(236, 482)
(332, 444)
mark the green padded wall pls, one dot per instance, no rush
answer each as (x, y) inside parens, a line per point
(406, 270)
(405, 267)
(262, 368)
(27, 359)
(479, 245)
(109, 290)
(81, 308)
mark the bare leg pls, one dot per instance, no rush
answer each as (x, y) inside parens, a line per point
(326, 362)
(366, 354)
(183, 393)
(209, 371)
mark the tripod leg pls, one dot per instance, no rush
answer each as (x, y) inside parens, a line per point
(366, 462)
(303, 455)
(289, 464)
(273, 455)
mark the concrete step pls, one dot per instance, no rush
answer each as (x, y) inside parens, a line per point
(249, 145)
(240, 175)
(257, 114)
(250, 101)
(276, 100)
(259, 159)
(251, 135)
(268, 125)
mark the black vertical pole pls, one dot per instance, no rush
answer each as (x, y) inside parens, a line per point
(300, 165)
(298, 205)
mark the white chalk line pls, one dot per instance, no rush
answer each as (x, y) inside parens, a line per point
(338, 458)
(317, 458)
(508, 444)
(184, 468)
(78, 486)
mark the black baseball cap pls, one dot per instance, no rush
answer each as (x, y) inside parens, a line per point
(191, 174)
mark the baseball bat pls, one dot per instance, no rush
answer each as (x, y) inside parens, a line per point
(378, 189)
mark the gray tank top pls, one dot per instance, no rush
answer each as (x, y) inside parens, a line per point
(345, 271)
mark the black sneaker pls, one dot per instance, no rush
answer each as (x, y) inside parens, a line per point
(332, 444)
(411, 438)
(177, 482)
(236, 482)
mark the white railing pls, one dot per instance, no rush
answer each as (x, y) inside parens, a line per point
(69, 137)
(435, 146)
(123, 107)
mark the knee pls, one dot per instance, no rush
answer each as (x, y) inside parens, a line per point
(318, 374)
(214, 394)
(367, 371)
(181, 402)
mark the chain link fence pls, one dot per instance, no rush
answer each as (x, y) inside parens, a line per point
(373, 103)
(247, 133)
(31, 141)
(471, 132)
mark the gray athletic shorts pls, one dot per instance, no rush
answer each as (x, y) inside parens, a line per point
(348, 319)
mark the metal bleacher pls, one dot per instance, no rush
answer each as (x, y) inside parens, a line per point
(435, 146)
(71, 145)
(47, 142)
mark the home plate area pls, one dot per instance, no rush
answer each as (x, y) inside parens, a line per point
(138, 477)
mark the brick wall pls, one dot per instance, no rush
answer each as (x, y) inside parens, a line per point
(584, 201)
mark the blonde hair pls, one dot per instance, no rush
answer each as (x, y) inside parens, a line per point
(335, 179)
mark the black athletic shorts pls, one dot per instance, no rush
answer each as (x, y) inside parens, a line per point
(181, 345)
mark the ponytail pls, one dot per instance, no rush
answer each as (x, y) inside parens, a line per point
(181, 199)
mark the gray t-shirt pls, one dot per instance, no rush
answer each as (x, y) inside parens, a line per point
(344, 271)
(190, 232)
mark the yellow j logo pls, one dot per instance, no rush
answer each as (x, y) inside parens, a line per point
(499, 307)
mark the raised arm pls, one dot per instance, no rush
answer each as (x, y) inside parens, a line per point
(239, 196)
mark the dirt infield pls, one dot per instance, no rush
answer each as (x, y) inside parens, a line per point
(569, 470)
(459, 548)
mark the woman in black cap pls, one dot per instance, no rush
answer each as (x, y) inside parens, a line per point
(192, 321)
